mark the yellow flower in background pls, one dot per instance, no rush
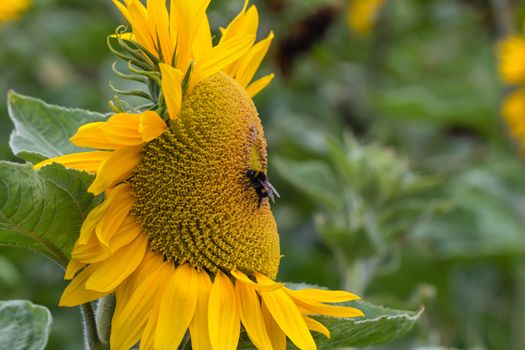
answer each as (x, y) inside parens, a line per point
(12, 9)
(185, 236)
(361, 15)
(511, 52)
(513, 111)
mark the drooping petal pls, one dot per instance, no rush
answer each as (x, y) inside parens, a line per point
(135, 298)
(180, 299)
(276, 334)
(86, 161)
(87, 230)
(73, 267)
(323, 295)
(286, 314)
(199, 331)
(117, 212)
(223, 314)
(265, 284)
(128, 129)
(172, 89)
(76, 292)
(151, 126)
(92, 135)
(258, 85)
(309, 307)
(251, 315)
(109, 274)
(316, 326)
(147, 340)
(118, 167)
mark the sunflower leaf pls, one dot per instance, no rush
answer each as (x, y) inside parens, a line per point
(42, 211)
(379, 326)
(23, 325)
(42, 130)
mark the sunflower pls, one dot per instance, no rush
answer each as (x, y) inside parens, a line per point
(185, 238)
(11, 9)
(511, 54)
(361, 15)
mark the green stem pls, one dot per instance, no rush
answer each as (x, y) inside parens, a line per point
(92, 341)
(104, 315)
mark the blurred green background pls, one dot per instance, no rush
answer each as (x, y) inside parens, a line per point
(397, 177)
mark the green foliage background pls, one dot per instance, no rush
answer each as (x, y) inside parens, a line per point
(439, 220)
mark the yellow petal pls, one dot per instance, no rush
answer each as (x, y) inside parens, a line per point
(310, 307)
(220, 56)
(86, 161)
(76, 292)
(316, 326)
(203, 41)
(108, 274)
(172, 89)
(147, 340)
(323, 295)
(127, 129)
(252, 60)
(190, 15)
(87, 230)
(92, 135)
(223, 314)
(73, 267)
(309, 302)
(251, 315)
(258, 85)
(180, 299)
(265, 284)
(117, 212)
(200, 338)
(288, 317)
(141, 26)
(246, 22)
(128, 230)
(159, 20)
(277, 336)
(117, 168)
(91, 252)
(151, 126)
(135, 298)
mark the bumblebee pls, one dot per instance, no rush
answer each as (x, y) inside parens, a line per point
(262, 186)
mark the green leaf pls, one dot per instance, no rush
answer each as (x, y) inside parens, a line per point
(380, 325)
(23, 325)
(43, 211)
(43, 130)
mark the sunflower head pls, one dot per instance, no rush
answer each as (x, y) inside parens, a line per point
(193, 196)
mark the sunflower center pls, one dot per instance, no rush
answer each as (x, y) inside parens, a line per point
(193, 196)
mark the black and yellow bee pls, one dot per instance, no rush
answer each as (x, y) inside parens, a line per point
(262, 186)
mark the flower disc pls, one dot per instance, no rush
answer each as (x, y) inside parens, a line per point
(193, 197)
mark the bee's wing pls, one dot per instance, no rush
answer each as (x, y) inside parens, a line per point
(272, 192)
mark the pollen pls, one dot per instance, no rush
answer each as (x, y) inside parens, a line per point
(193, 197)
